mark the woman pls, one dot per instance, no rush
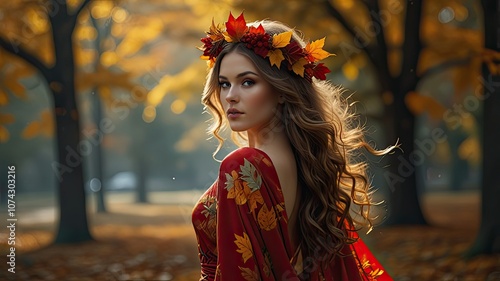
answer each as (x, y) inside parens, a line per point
(279, 209)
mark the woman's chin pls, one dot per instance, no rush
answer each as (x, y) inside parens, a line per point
(237, 129)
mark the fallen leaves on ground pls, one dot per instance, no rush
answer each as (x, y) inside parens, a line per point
(115, 255)
(432, 253)
(156, 242)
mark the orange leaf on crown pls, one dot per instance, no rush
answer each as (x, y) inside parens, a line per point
(315, 52)
(215, 33)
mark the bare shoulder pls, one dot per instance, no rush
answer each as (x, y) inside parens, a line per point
(286, 170)
(284, 163)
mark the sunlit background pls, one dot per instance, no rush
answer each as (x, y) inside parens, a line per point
(138, 84)
(158, 138)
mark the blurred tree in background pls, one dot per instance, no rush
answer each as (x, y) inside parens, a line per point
(98, 49)
(488, 238)
(54, 23)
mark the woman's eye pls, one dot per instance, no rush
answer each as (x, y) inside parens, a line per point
(224, 85)
(248, 83)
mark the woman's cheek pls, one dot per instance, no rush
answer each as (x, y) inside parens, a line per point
(259, 98)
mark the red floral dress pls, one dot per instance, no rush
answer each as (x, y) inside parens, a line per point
(241, 227)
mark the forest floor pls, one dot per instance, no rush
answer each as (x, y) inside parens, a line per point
(156, 242)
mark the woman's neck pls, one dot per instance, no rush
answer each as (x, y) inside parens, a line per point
(268, 138)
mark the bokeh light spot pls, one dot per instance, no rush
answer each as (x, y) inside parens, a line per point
(178, 106)
(149, 114)
(446, 15)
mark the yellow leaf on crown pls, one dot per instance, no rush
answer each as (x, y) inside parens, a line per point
(298, 67)
(282, 39)
(213, 28)
(215, 32)
(315, 50)
(276, 57)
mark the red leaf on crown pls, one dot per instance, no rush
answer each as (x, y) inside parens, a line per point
(293, 52)
(257, 30)
(236, 28)
(320, 70)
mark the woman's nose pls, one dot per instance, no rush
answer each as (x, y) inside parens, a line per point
(232, 95)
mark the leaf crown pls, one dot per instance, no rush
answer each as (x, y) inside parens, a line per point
(278, 48)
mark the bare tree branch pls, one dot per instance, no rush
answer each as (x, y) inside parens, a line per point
(82, 6)
(341, 19)
(381, 50)
(375, 53)
(347, 26)
(24, 54)
(445, 65)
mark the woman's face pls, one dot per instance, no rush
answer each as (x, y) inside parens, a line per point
(247, 99)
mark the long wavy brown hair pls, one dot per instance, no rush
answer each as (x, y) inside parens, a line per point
(327, 141)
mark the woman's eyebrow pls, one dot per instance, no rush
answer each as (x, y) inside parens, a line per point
(240, 75)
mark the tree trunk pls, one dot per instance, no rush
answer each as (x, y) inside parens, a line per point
(73, 226)
(97, 153)
(102, 34)
(68, 168)
(488, 239)
(141, 167)
(141, 195)
(404, 204)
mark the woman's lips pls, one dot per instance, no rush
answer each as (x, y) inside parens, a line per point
(234, 113)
